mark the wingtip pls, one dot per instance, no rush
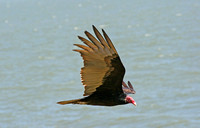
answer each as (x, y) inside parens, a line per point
(94, 28)
(76, 50)
(104, 33)
(75, 44)
(86, 33)
(79, 37)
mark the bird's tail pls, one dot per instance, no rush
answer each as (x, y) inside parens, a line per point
(76, 101)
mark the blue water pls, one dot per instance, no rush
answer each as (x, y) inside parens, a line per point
(158, 42)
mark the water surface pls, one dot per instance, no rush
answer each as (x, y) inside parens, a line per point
(158, 42)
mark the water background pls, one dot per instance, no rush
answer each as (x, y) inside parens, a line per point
(158, 42)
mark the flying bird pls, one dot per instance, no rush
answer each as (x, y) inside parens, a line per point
(102, 74)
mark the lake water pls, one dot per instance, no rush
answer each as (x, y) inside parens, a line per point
(158, 42)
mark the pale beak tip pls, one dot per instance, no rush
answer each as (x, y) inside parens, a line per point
(135, 104)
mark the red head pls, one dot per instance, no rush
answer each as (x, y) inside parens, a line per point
(129, 99)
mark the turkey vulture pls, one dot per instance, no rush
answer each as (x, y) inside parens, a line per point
(102, 74)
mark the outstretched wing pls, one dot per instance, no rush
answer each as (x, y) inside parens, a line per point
(128, 89)
(103, 69)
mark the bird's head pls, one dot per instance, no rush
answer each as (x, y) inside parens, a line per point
(129, 99)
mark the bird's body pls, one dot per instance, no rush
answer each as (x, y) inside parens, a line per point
(99, 99)
(102, 74)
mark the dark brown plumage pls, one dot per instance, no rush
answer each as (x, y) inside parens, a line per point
(102, 74)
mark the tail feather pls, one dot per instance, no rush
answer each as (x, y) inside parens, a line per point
(76, 101)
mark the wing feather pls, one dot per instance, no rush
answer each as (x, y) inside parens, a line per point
(99, 36)
(83, 47)
(94, 40)
(88, 43)
(109, 41)
(128, 89)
